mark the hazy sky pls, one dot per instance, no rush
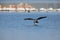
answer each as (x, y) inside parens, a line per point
(33, 1)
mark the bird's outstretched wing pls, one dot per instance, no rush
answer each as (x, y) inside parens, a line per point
(28, 19)
(41, 18)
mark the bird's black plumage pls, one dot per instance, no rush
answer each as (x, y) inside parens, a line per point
(35, 20)
(41, 18)
(28, 19)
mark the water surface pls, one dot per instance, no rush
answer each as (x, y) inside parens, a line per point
(14, 27)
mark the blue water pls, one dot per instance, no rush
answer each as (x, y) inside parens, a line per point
(14, 27)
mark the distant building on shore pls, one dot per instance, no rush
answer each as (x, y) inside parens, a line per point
(0, 7)
(25, 7)
(9, 8)
(12, 7)
(20, 7)
(43, 10)
(50, 10)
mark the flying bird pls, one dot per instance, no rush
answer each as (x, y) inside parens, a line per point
(35, 20)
